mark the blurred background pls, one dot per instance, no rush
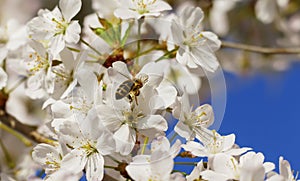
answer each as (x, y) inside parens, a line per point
(263, 100)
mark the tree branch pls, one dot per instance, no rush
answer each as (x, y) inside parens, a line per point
(259, 49)
(26, 130)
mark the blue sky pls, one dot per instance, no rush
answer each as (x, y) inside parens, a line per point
(263, 111)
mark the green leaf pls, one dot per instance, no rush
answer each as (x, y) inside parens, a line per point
(102, 33)
(111, 33)
(106, 24)
(125, 37)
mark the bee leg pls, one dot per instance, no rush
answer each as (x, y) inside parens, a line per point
(130, 98)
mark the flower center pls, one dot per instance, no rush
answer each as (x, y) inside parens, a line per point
(61, 26)
(216, 143)
(194, 39)
(141, 5)
(37, 63)
(62, 77)
(131, 118)
(198, 119)
(52, 162)
(81, 104)
(89, 149)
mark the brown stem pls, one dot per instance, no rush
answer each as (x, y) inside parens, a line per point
(259, 49)
(26, 130)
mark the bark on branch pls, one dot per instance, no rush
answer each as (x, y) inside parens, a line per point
(259, 49)
(26, 130)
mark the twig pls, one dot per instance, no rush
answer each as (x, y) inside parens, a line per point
(10, 130)
(26, 130)
(259, 49)
(90, 46)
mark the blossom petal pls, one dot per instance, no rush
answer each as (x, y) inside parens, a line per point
(195, 148)
(69, 8)
(160, 6)
(125, 139)
(139, 169)
(153, 121)
(191, 17)
(3, 78)
(71, 133)
(160, 143)
(225, 164)
(228, 141)
(183, 130)
(161, 164)
(175, 148)
(204, 57)
(195, 174)
(73, 32)
(177, 33)
(67, 59)
(106, 143)
(238, 151)
(41, 154)
(126, 13)
(211, 175)
(265, 10)
(74, 161)
(95, 167)
(110, 117)
(268, 167)
(61, 109)
(57, 44)
(213, 41)
(284, 168)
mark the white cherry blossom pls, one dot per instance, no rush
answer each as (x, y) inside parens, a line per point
(140, 8)
(39, 61)
(196, 47)
(192, 123)
(250, 166)
(124, 120)
(48, 156)
(88, 143)
(55, 27)
(213, 143)
(218, 16)
(81, 99)
(12, 35)
(285, 172)
(195, 174)
(105, 9)
(267, 10)
(157, 166)
(181, 77)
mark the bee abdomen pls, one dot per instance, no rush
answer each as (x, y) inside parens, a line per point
(124, 89)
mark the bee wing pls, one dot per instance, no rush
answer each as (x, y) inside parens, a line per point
(143, 77)
(119, 72)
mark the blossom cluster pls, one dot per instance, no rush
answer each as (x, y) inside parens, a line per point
(110, 88)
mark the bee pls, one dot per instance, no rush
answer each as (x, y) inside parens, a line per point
(131, 88)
